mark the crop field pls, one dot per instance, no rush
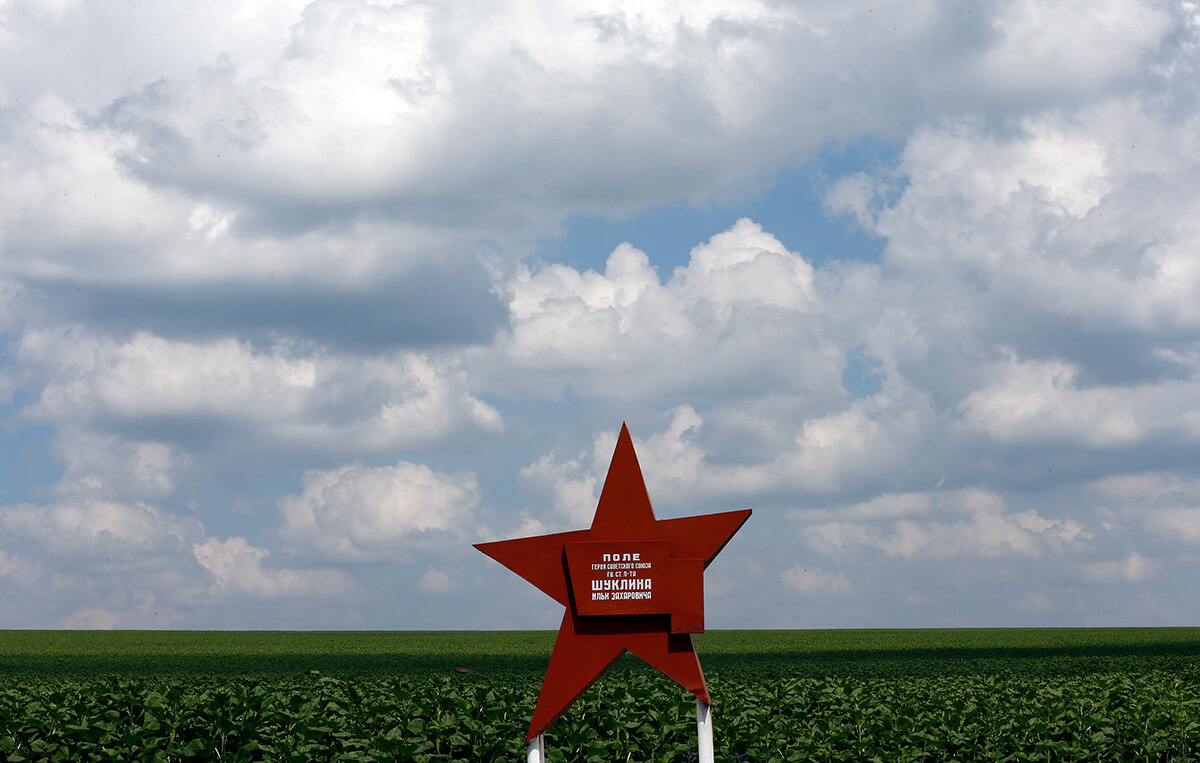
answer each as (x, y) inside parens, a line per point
(886, 695)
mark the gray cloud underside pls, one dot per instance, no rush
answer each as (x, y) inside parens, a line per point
(434, 303)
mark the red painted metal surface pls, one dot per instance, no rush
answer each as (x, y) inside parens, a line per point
(629, 582)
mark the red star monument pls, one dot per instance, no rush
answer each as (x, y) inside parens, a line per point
(629, 582)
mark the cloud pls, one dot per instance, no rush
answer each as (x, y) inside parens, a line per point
(107, 466)
(435, 581)
(570, 487)
(14, 566)
(303, 236)
(814, 582)
(988, 531)
(627, 334)
(97, 563)
(238, 570)
(86, 237)
(358, 513)
(871, 443)
(399, 109)
(425, 304)
(1057, 241)
(882, 506)
(857, 196)
(1039, 401)
(97, 534)
(1134, 568)
(672, 466)
(142, 616)
(104, 564)
(1179, 523)
(225, 397)
(1043, 48)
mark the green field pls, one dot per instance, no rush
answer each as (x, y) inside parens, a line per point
(1013, 694)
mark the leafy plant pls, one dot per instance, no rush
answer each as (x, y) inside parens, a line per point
(780, 696)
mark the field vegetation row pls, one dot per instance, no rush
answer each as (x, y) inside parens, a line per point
(924, 695)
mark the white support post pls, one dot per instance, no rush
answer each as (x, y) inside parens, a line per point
(704, 732)
(536, 752)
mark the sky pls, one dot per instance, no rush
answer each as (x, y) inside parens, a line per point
(301, 298)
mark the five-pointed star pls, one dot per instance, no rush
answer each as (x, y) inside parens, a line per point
(588, 644)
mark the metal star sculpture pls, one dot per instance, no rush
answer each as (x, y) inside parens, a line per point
(629, 582)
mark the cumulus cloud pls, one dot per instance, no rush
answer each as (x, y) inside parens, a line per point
(14, 566)
(1134, 568)
(1155, 514)
(625, 333)
(1036, 291)
(359, 513)
(108, 466)
(360, 151)
(870, 443)
(226, 393)
(101, 564)
(142, 616)
(435, 581)
(93, 533)
(814, 582)
(858, 196)
(882, 506)
(1036, 401)
(96, 563)
(238, 570)
(1055, 242)
(989, 530)
(87, 241)
(353, 100)
(571, 487)
(1182, 523)
(672, 465)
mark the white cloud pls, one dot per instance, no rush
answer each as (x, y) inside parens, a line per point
(1035, 401)
(989, 531)
(1166, 504)
(99, 533)
(285, 398)
(1178, 522)
(605, 105)
(713, 328)
(814, 582)
(883, 506)
(239, 571)
(13, 566)
(673, 465)
(435, 581)
(1042, 402)
(1148, 489)
(570, 487)
(104, 564)
(147, 614)
(139, 44)
(857, 196)
(361, 513)
(1036, 287)
(107, 466)
(96, 563)
(1134, 568)
(873, 443)
(1048, 47)
(1066, 224)
(870, 443)
(94, 619)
